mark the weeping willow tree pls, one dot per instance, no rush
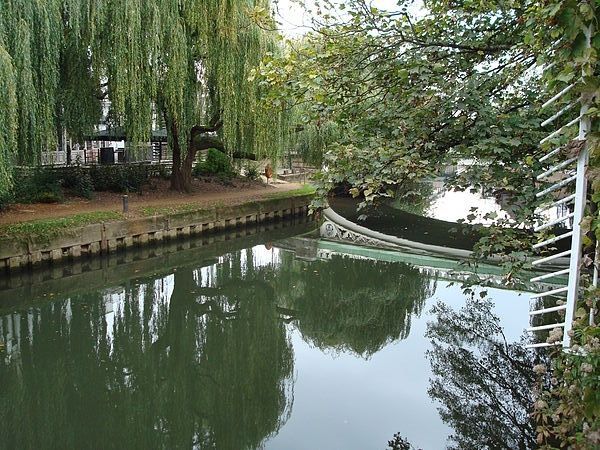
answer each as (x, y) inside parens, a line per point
(8, 125)
(186, 63)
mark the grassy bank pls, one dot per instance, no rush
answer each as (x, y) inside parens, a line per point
(307, 189)
(52, 227)
(150, 211)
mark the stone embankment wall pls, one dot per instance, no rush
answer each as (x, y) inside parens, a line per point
(67, 278)
(108, 237)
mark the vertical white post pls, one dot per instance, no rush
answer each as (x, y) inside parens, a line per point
(594, 283)
(576, 243)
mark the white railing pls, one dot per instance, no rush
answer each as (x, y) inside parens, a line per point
(568, 190)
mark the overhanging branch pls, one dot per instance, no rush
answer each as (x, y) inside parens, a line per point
(203, 138)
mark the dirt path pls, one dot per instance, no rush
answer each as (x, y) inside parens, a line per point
(204, 194)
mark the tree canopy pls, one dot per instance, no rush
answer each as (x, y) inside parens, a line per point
(410, 92)
(413, 93)
(184, 63)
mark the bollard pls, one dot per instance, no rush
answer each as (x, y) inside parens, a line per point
(125, 203)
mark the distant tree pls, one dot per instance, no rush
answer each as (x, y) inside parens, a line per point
(399, 443)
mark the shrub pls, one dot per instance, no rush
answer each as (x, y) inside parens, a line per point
(135, 177)
(216, 163)
(568, 411)
(6, 198)
(164, 172)
(41, 185)
(79, 181)
(251, 171)
(119, 178)
(50, 196)
(45, 184)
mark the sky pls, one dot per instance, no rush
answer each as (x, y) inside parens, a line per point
(295, 20)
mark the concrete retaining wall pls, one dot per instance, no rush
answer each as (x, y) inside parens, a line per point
(104, 238)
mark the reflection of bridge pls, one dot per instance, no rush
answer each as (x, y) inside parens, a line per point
(438, 266)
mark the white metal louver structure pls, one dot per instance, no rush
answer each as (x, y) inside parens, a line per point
(568, 189)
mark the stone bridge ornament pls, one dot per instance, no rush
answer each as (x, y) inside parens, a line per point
(331, 230)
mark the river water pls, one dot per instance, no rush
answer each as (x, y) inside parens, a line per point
(243, 343)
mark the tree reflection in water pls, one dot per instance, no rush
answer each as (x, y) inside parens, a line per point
(356, 305)
(484, 383)
(200, 358)
(207, 365)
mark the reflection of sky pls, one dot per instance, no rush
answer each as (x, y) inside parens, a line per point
(116, 301)
(163, 288)
(345, 402)
(453, 205)
(264, 256)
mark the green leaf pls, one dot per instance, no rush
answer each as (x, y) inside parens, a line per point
(565, 76)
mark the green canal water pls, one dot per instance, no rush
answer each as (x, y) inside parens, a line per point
(246, 342)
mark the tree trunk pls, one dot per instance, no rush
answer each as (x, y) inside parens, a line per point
(177, 183)
(201, 138)
(186, 169)
(181, 175)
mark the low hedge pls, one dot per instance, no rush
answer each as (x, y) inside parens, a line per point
(48, 184)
